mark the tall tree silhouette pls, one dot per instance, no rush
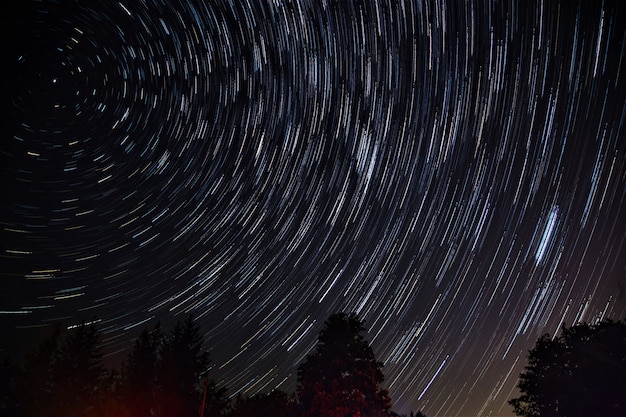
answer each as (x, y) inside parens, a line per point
(64, 376)
(83, 377)
(579, 373)
(342, 377)
(166, 374)
(183, 375)
(139, 390)
(184, 362)
(35, 386)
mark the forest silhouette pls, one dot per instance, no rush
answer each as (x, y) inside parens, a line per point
(582, 372)
(165, 374)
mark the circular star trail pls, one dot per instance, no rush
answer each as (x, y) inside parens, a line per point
(454, 173)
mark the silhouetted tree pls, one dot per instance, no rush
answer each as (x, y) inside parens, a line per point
(110, 404)
(8, 380)
(82, 377)
(138, 388)
(36, 382)
(580, 373)
(64, 376)
(165, 375)
(215, 399)
(184, 363)
(275, 404)
(342, 377)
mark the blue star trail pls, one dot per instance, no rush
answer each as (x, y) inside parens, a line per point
(452, 172)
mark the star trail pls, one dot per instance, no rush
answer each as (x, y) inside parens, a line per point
(452, 172)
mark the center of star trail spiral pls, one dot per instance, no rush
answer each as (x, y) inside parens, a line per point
(453, 173)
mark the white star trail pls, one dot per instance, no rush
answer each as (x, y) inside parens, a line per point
(453, 172)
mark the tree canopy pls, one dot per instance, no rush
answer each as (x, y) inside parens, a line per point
(64, 376)
(164, 374)
(139, 386)
(582, 372)
(342, 377)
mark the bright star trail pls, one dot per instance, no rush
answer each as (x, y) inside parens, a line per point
(453, 172)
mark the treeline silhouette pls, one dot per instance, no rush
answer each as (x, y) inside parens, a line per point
(165, 374)
(581, 372)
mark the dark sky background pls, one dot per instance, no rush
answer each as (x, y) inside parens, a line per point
(454, 173)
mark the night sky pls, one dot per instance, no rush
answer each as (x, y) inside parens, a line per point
(452, 172)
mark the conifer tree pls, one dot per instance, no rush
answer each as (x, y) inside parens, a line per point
(342, 377)
(138, 389)
(64, 376)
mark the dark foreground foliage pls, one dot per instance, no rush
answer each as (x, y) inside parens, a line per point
(580, 373)
(342, 378)
(276, 404)
(165, 374)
